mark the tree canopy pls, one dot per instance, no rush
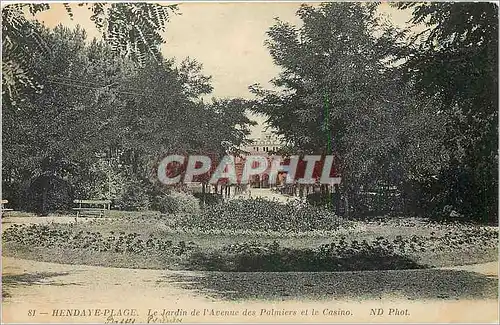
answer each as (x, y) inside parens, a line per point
(456, 61)
(400, 110)
(102, 119)
(131, 30)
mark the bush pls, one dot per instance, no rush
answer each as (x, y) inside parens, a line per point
(321, 199)
(264, 215)
(49, 193)
(177, 202)
(134, 197)
(209, 198)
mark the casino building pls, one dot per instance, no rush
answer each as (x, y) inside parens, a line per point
(267, 144)
(264, 145)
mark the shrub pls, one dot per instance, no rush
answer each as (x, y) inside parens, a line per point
(209, 198)
(134, 197)
(177, 202)
(49, 193)
(263, 215)
(320, 199)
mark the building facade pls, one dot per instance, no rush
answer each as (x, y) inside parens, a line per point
(266, 145)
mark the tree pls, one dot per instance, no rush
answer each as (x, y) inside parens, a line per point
(132, 30)
(456, 60)
(338, 92)
(102, 120)
(62, 128)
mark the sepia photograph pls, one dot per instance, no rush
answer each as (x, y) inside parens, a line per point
(249, 162)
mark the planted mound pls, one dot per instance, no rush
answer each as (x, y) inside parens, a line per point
(342, 255)
(264, 215)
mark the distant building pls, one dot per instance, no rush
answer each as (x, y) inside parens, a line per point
(265, 145)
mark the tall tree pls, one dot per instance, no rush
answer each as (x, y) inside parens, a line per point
(338, 92)
(131, 29)
(456, 60)
(101, 118)
(67, 123)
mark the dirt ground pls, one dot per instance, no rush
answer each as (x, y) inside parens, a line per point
(45, 287)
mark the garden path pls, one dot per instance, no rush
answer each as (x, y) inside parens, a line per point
(45, 286)
(265, 193)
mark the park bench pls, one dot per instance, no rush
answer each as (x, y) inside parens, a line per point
(92, 207)
(4, 209)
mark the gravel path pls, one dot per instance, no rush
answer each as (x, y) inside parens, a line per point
(265, 193)
(45, 286)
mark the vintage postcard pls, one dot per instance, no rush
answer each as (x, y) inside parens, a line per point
(249, 162)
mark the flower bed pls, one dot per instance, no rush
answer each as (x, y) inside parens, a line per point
(340, 254)
(57, 236)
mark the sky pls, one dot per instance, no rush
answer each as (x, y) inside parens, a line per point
(227, 38)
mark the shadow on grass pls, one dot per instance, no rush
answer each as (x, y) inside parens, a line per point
(359, 285)
(27, 279)
(300, 260)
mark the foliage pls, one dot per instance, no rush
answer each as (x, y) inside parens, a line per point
(50, 236)
(337, 94)
(60, 129)
(48, 193)
(208, 198)
(341, 254)
(332, 58)
(18, 35)
(105, 120)
(396, 115)
(178, 202)
(456, 60)
(132, 30)
(133, 197)
(260, 214)
(319, 198)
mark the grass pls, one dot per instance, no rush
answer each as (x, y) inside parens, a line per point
(158, 241)
(87, 257)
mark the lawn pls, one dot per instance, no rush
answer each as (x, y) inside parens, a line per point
(268, 236)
